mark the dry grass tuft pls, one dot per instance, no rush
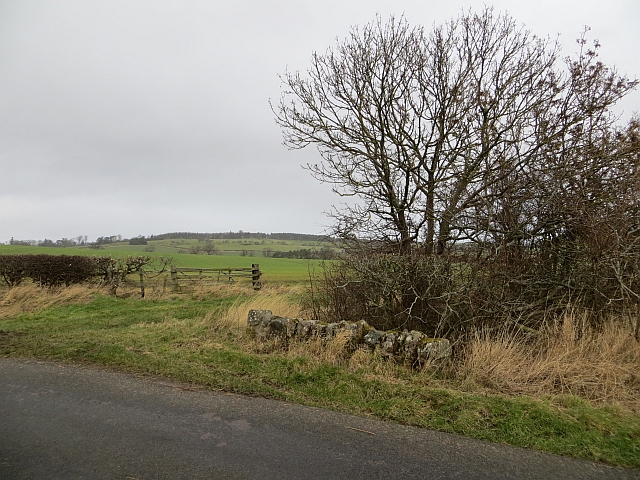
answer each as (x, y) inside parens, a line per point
(362, 358)
(199, 292)
(32, 298)
(156, 290)
(237, 288)
(334, 351)
(282, 302)
(567, 357)
(235, 319)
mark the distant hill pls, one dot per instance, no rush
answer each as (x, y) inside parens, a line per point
(142, 240)
(239, 235)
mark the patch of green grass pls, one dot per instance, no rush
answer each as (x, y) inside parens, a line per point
(236, 246)
(171, 337)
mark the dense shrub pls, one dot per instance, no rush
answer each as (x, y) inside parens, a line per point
(392, 291)
(13, 269)
(459, 292)
(52, 270)
(324, 253)
(47, 270)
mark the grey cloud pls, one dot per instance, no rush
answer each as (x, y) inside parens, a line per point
(142, 117)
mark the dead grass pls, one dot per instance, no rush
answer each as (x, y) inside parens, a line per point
(568, 356)
(238, 288)
(32, 298)
(333, 351)
(280, 301)
(199, 292)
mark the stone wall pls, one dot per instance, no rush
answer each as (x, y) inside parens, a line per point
(407, 346)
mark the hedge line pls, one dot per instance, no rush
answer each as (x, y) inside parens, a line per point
(50, 270)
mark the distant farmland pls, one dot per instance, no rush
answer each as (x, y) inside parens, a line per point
(233, 253)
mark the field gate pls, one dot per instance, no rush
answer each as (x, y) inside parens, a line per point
(192, 276)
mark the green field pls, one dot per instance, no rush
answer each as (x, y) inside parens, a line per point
(274, 270)
(250, 246)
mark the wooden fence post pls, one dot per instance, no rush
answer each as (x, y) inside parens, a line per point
(174, 278)
(142, 284)
(255, 276)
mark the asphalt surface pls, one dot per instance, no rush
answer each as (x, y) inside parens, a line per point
(75, 422)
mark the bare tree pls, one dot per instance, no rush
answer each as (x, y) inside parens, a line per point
(477, 134)
(361, 106)
(437, 136)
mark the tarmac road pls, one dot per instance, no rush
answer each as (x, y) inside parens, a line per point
(60, 421)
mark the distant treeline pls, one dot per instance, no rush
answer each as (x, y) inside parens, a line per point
(70, 242)
(142, 240)
(239, 235)
(324, 253)
(63, 242)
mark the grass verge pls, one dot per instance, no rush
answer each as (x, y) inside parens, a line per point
(199, 338)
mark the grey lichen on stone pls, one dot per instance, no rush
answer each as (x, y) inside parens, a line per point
(357, 330)
(257, 316)
(333, 328)
(305, 328)
(434, 350)
(389, 344)
(373, 337)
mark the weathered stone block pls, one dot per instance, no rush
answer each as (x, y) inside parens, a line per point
(332, 329)
(434, 349)
(279, 327)
(407, 345)
(373, 337)
(356, 330)
(320, 330)
(258, 316)
(389, 344)
(305, 328)
(266, 325)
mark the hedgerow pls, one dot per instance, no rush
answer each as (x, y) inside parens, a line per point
(53, 270)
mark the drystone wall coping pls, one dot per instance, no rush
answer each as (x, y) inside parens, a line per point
(406, 346)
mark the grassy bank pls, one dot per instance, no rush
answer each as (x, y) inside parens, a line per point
(199, 338)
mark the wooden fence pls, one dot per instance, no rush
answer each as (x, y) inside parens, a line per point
(204, 276)
(181, 277)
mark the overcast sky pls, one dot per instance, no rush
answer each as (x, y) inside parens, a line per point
(143, 117)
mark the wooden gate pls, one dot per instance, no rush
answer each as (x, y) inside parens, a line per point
(206, 276)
